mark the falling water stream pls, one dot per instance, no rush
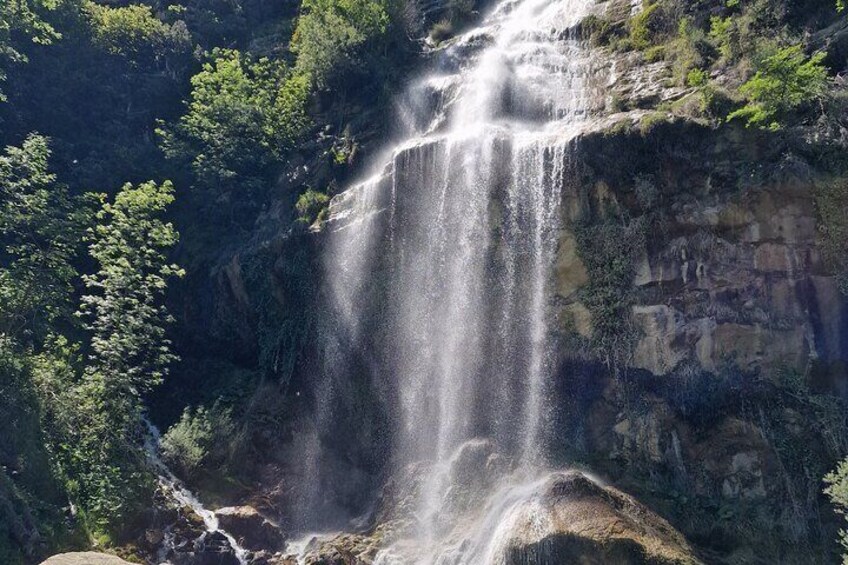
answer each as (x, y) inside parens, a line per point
(184, 498)
(455, 237)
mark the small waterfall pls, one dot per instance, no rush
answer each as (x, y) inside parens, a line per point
(175, 490)
(440, 264)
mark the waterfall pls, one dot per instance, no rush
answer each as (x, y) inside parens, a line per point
(440, 264)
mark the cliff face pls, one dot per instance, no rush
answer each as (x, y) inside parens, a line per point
(701, 338)
(728, 268)
(722, 355)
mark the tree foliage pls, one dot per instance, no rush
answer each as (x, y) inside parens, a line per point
(136, 33)
(128, 355)
(331, 34)
(837, 490)
(124, 310)
(22, 20)
(783, 82)
(243, 116)
(40, 226)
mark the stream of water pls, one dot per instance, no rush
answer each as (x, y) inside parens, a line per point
(460, 226)
(184, 498)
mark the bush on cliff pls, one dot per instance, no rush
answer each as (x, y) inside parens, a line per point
(784, 81)
(199, 439)
(332, 36)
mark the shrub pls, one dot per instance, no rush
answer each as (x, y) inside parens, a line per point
(697, 78)
(134, 32)
(331, 35)
(201, 438)
(783, 82)
(441, 31)
(837, 490)
(609, 248)
(725, 33)
(244, 115)
(647, 26)
(312, 206)
(597, 30)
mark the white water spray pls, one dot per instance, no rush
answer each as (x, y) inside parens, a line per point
(455, 238)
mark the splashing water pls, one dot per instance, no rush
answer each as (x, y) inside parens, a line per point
(441, 263)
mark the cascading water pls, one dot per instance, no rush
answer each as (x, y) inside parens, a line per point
(184, 498)
(440, 264)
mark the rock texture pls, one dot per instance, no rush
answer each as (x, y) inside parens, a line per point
(587, 523)
(84, 558)
(250, 528)
(730, 271)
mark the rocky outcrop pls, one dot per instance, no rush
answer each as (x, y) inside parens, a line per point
(729, 272)
(252, 530)
(576, 520)
(85, 558)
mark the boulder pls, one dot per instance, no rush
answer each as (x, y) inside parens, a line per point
(84, 558)
(212, 548)
(250, 528)
(587, 523)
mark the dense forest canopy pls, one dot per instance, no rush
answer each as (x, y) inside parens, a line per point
(142, 137)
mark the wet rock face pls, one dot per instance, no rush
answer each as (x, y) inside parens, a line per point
(730, 270)
(584, 522)
(250, 528)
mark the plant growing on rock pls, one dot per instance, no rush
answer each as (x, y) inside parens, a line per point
(312, 206)
(832, 208)
(783, 82)
(331, 35)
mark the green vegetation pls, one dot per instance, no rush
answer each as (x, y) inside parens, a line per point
(312, 206)
(837, 490)
(608, 247)
(332, 36)
(832, 207)
(226, 98)
(200, 438)
(243, 117)
(74, 397)
(40, 228)
(783, 82)
(134, 32)
(771, 75)
(23, 18)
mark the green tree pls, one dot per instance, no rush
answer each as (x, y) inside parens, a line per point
(244, 115)
(331, 35)
(124, 311)
(136, 33)
(40, 229)
(129, 351)
(837, 490)
(783, 82)
(22, 19)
